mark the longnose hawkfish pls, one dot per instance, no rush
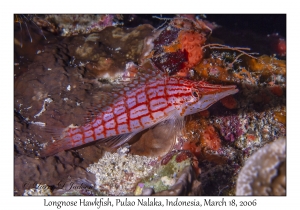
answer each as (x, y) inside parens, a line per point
(142, 103)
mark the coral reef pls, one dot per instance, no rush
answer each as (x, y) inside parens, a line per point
(178, 47)
(231, 127)
(210, 139)
(267, 65)
(63, 80)
(264, 172)
(70, 25)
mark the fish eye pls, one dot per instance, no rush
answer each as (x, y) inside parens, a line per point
(195, 93)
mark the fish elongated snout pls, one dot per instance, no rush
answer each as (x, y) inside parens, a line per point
(210, 97)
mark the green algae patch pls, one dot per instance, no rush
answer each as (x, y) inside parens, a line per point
(165, 176)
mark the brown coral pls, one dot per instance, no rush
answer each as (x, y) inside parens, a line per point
(264, 172)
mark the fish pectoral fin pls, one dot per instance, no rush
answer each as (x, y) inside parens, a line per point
(116, 141)
(170, 128)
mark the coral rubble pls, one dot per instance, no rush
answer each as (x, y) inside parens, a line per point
(118, 174)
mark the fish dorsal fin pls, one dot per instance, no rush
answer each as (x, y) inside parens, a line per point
(130, 81)
(134, 79)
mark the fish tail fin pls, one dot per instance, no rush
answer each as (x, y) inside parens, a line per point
(61, 141)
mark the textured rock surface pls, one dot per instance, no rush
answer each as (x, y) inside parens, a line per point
(53, 171)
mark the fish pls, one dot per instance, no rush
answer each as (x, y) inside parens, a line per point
(144, 102)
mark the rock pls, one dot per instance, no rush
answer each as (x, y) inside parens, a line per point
(53, 171)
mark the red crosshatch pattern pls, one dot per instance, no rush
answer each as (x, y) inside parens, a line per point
(142, 108)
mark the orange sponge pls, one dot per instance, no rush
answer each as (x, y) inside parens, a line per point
(210, 138)
(191, 42)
